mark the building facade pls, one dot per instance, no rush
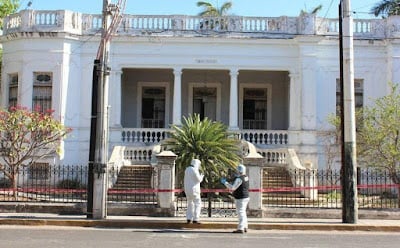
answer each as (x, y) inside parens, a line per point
(273, 80)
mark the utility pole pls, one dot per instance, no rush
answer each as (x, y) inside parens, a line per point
(98, 152)
(349, 162)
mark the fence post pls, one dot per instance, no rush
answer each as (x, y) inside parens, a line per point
(166, 183)
(254, 161)
(311, 181)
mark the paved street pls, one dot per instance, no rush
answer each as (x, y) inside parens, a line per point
(74, 237)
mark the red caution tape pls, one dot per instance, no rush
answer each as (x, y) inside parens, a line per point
(150, 191)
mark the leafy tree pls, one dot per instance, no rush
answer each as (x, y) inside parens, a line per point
(331, 144)
(7, 7)
(331, 140)
(211, 10)
(25, 137)
(207, 141)
(379, 138)
(386, 8)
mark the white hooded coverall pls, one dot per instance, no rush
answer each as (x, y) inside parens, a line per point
(241, 204)
(192, 181)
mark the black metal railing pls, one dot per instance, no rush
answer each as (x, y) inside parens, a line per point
(322, 189)
(41, 182)
(280, 188)
(214, 203)
(68, 184)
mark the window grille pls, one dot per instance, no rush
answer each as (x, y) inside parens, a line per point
(39, 171)
(255, 108)
(153, 107)
(42, 91)
(358, 99)
(13, 90)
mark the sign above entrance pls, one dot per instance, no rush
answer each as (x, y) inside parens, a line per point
(206, 61)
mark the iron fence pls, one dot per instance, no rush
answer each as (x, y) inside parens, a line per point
(214, 203)
(68, 184)
(42, 182)
(296, 189)
(322, 189)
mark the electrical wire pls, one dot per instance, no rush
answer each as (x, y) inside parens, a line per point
(113, 27)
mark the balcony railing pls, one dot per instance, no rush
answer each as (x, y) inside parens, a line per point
(150, 136)
(183, 25)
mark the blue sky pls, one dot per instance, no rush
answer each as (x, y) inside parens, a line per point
(267, 8)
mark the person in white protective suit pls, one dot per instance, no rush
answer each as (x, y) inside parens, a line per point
(192, 181)
(240, 188)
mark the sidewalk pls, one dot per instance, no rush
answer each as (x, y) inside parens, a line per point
(38, 219)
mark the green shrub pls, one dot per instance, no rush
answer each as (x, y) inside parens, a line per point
(70, 184)
(334, 195)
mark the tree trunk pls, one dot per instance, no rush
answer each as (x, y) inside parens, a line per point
(14, 184)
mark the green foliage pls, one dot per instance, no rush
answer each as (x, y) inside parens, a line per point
(25, 137)
(7, 7)
(314, 11)
(207, 141)
(211, 10)
(379, 137)
(386, 8)
(334, 196)
(70, 184)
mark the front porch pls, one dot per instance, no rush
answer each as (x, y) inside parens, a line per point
(241, 99)
(258, 106)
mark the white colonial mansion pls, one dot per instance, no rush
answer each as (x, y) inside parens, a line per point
(273, 80)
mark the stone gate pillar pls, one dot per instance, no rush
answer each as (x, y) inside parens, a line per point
(254, 162)
(166, 183)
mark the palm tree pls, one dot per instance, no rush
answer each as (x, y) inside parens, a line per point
(207, 141)
(211, 10)
(313, 11)
(386, 8)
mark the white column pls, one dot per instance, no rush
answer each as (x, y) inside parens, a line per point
(177, 102)
(294, 102)
(25, 87)
(308, 88)
(115, 96)
(233, 100)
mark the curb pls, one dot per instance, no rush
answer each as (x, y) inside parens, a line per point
(204, 225)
